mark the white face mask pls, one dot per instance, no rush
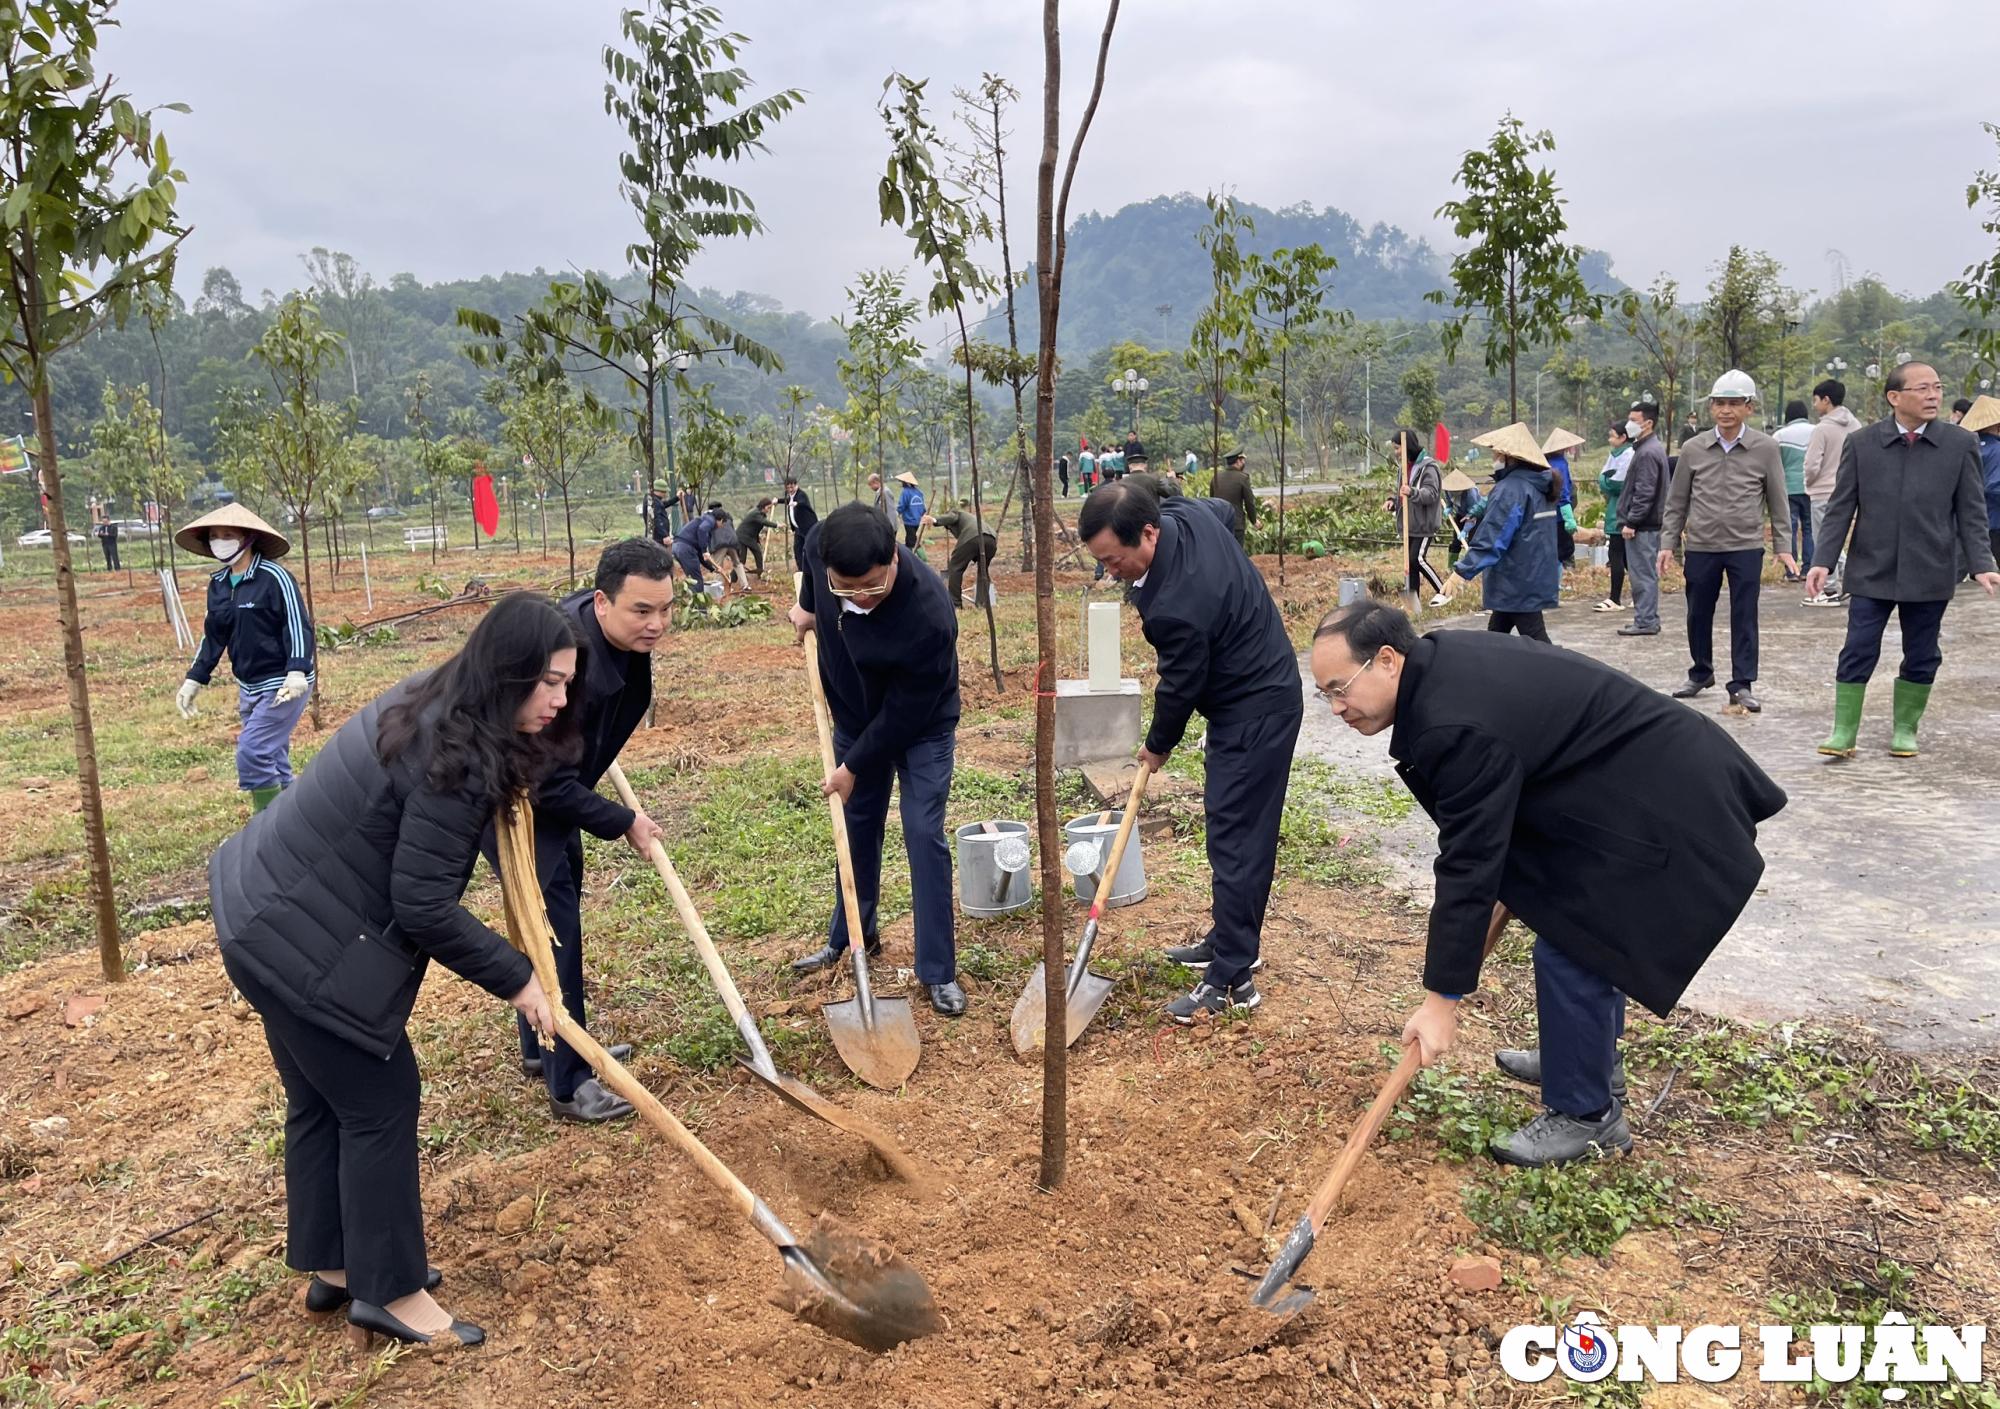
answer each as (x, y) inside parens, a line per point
(225, 549)
(1632, 429)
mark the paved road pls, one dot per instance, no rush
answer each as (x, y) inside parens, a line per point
(1881, 897)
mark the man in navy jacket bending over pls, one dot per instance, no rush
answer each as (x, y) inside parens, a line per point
(887, 639)
(1223, 651)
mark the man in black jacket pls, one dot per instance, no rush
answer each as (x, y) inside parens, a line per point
(887, 639)
(1526, 756)
(619, 621)
(1641, 511)
(1223, 651)
(799, 516)
(750, 533)
(1232, 486)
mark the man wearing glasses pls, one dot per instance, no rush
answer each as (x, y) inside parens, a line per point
(1486, 734)
(887, 639)
(1223, 650)
(1727, 479)
(1910, 488)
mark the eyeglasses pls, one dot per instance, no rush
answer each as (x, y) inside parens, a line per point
(850, 593)
(1924, 388)
(1330, 693)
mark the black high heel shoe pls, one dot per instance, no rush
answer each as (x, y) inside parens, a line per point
(323, 1297)
(372, 1321)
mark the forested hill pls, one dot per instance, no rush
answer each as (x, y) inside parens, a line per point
(1142, 275)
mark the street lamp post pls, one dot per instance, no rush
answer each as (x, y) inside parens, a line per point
(1789, 318)
(1538, 401)
(1133, 386)
(673, 362)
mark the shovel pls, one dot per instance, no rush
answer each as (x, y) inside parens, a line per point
(1271, 1295)
(852, 1286)
(760, 1065)
(876, 1037)
(1086, 990)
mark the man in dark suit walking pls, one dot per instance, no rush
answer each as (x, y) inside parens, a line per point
(1487, 736)
(1910, 486)
(799, 516)
(1223, 651)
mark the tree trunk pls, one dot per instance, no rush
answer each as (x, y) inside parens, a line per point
(1022, 466)
(1055, 969)
(1284, 411)
(103, 900)
(1513, 353)
(569, 532)
(312, 613)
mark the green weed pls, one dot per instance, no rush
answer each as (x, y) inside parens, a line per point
(1851, 1302)
(1583, 1208)
(1463, 1114)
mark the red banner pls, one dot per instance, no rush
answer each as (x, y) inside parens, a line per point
(1441, 444)
(485, 508)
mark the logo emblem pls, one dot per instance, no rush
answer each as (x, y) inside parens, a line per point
(1588, 1350)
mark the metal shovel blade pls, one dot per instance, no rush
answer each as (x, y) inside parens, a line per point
(856, 1288)
(883, 1055)
(1029, 1025)
(1267, 1298)
(802, 1097)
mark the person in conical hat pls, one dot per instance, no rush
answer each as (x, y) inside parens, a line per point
(257, 617)
(1983, 420)
(1515, 543)
(1560, 445)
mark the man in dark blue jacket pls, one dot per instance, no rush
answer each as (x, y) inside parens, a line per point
(1223, 650)
(619, 621)
(887, 639)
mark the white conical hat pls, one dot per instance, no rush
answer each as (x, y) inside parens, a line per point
(267, 540)
(1516, 442)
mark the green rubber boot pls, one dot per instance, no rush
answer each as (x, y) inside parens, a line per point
(261, 798)
(1846, 719)
(1910, 700)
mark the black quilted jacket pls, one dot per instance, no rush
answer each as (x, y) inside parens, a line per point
(338, 895)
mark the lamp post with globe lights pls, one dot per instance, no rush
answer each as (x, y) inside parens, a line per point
(1132, 386)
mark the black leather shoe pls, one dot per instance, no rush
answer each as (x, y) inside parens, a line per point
(531, 1067)
(948, 998)
(1525, 1064)
(592, 1103)
(377, 1322)
(1744, 700)
(323, 1297)
(826, 957)
(1690, 690)
(1638, 631)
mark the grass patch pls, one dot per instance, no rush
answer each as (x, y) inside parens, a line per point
(1583, 1208)
(1851, 1302)
(1463, 1114)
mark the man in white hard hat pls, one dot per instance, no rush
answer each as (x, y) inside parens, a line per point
(1728, 480)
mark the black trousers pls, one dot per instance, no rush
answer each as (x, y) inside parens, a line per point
(1705, 573)
(109, 542)
(1582, 1017)
(1529, 624)
(1249, 763)
(755, 548)
(910, 532)
(351, 1195)
(1615, 555)
(981, 546)
(1565, 544)
(1419, 564)
(562, 892)
(1866, 616)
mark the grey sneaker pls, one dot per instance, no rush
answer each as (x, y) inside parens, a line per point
(1525, 1064)
(1213, 1001)
(1201, 954)
(1555, 1138)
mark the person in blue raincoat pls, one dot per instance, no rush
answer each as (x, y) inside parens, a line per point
(910, 508)
(1515, 543)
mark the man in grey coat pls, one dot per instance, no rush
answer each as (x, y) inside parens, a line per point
(1910, 487)
(1232, 486)
(1728, 478)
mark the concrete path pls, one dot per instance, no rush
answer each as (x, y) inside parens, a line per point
(1881, 894)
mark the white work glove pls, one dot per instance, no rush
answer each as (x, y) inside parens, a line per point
(184, 698)
(294, 686)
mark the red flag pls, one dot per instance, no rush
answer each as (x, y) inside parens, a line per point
(485, 507)
(1086, 443)
(1441, 444)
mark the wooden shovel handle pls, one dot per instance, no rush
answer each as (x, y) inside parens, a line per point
(711, 959)
(1110, 873)
(1385, 1100)
(824, 722)
(528, 927)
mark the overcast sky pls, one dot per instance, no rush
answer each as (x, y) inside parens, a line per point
(462, 137)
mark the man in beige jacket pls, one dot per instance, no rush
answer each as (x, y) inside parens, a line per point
(1836, 423)
(1727, 480)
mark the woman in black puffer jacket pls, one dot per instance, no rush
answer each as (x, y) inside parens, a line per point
(331, 904)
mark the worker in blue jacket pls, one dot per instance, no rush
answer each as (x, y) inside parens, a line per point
(692, 543)
(1515, 543)
(258, 618)
(910, 508)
